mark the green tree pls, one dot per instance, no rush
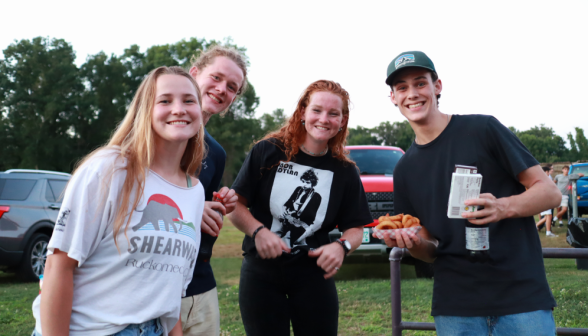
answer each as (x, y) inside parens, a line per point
(109, 90)
(543, 143)
(362, 136)
(40, 89)
(398, 134)
(579, 146)
(272, 122)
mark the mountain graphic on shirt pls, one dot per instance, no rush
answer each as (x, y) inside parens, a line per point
(163, 214)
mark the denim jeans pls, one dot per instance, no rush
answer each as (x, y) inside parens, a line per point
(149, 328)
(535, 323)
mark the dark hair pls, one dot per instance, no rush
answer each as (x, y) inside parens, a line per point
(565, 167)
(546, 168)
(309, 176)
(434, 77)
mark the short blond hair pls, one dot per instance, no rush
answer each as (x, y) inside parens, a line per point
(207, 57)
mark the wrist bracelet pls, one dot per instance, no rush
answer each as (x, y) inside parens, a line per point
(256, 231)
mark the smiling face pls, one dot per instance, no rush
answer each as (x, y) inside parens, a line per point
(415, 94)
(176, 114)
(219, 83)
(323, 117)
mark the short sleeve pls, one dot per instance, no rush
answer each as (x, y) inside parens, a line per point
(355, 210)
(510, 152)
(200, 210)
(247, 180)
(84, 214)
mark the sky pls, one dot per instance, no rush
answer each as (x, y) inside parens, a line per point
(524, 62)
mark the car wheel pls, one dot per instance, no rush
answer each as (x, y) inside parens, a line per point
(33, 264)
(423, 269)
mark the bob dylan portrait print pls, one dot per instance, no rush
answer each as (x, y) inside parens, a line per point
(298, 202)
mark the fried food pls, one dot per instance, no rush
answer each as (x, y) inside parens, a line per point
(406, 218)
(390, 218)
(386, 226)
(400, 221)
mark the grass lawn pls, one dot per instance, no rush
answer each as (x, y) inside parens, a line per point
(364, 293)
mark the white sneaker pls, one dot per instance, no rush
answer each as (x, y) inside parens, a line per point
(550, 234)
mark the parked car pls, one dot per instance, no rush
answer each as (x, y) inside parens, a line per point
(581, 188)
(376, 165)
(29, 205)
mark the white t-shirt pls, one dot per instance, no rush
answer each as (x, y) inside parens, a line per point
(149, 276)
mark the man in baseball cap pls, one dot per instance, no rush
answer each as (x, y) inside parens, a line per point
(506, 291)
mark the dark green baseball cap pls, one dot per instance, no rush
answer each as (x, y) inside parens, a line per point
(408, 59)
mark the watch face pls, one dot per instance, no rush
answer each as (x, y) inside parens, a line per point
(347, 244)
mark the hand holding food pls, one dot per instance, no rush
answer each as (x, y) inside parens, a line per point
(400, 221)
(389, 224)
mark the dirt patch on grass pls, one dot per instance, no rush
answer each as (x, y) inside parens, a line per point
(227, 251)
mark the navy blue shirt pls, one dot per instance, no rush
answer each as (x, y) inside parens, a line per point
(210, 176)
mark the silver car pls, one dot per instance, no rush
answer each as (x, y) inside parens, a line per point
(29, 205)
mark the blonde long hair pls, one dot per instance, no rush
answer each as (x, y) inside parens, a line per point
(135, 138)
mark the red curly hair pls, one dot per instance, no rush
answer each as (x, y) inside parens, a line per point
(293, 133)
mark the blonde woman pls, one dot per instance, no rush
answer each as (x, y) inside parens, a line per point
(127, 236)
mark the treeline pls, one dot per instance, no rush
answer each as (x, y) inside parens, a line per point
(53, 112)
(542, 141)
(547, 146)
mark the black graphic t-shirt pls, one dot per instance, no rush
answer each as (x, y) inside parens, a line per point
(303, 199)
(514, 282)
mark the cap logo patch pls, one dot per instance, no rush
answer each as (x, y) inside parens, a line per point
(403, 60)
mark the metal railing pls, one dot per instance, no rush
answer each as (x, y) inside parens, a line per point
(398, 325)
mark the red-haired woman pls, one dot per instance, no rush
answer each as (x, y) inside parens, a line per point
(298, 185)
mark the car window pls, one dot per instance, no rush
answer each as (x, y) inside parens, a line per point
(375, 161)
(49, 194)
(57, 187)
(16, 189)
(580, 170)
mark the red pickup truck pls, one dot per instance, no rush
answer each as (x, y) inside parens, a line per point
(376, 165)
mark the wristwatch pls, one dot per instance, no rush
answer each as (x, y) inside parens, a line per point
(345, 244)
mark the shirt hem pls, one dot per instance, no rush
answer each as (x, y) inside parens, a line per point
(101, 332)
(493, 312)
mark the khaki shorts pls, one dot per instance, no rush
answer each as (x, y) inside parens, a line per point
(564, 200)
(200, 314)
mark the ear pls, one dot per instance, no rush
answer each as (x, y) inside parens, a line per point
(193, 71)
(393, 98)
(344, 121)
(438, 87)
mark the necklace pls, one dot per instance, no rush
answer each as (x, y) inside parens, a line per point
(304, 149)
